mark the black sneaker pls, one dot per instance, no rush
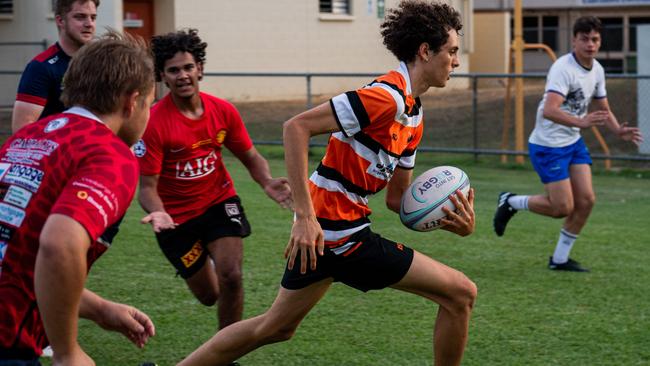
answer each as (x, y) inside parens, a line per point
(570, 266)
(503, 214)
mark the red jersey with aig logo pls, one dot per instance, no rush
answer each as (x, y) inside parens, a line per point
(186, 154)
(70, 164)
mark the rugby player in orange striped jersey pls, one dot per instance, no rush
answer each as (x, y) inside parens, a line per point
(375, 132)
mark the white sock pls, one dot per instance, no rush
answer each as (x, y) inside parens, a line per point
(563, 247)
(519, 202)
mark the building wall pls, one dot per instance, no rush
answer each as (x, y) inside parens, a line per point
(286, 36)
(490, 56)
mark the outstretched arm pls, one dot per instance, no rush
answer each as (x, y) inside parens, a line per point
(59, 277)
(306, 234)
(553, 112)
(131, 322)
(153, 205)
(276, 188)
(632, 134)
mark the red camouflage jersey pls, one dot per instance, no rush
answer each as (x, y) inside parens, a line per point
(69, 164)
(186, 154)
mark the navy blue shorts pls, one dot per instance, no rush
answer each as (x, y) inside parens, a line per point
(371, 263)
(184, 246)
(552, 163)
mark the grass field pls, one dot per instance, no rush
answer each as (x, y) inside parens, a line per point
(525, 314)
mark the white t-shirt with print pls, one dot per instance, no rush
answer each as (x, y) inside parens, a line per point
(578, 85)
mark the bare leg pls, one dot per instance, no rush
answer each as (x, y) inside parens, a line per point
(277, 324)
(204, 284)
(558, 201)
(455, 293)
(584, 198)
(227, 255)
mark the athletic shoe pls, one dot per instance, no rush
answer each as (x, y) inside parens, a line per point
(503, 213)
(570, 266)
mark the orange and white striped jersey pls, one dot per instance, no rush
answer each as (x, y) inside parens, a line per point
(381, 127)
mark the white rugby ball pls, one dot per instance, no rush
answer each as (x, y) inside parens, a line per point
(422, 203)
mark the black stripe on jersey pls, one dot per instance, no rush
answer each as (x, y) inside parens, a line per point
(337, 225)
(415, 110)
(358, 109)
(408, 152)
(371, 144)
(336, 117)
(333, 174)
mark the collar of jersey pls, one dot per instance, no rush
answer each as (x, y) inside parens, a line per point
(402, 69)
(81, 111)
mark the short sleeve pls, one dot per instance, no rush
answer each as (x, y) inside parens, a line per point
(149, 150)
(356, 110)
(33, 86)
(237, 138)
(601, 91)
(96, 199)
(558, 80)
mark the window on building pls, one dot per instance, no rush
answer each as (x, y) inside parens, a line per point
(612, 65)
(540, 29)
(634, 22)
(550, 31)
(531, 29)
(612, 37)
(338, 7)
(6, 6)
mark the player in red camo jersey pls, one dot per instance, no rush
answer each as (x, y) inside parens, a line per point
(63, 180)
(184, 180)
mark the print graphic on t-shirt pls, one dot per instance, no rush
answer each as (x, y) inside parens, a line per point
(196, 168)
(575, 102)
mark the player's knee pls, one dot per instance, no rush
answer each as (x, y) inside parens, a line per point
(586, 202)
(207, 298)
(278, 333)
(230, 279)
(464, 296)
(561, 210)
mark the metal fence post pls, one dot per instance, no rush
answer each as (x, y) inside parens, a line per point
(475, 114)
(308, 77)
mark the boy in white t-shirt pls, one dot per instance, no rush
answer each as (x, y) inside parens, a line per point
(558, 152)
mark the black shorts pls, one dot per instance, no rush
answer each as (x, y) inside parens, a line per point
(185, 246)
(373, 263)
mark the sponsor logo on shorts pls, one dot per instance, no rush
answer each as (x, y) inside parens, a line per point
(11, 215)
(190, 257)
(55, 124)
(24, 176)
(18, 196)
(400, 246)
(139, 149)
(232, 209)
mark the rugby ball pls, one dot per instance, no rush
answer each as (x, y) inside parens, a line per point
(422, 203)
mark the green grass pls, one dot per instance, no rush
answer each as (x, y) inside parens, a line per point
(525, 314)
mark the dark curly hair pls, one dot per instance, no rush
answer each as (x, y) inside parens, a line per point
(587, 24)
(166, 46)
(414, 22)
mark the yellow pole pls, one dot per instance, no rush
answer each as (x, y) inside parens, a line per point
(518, 44)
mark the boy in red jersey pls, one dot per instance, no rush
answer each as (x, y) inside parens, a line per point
(184, 181)
(63, 181)
(375, 132)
